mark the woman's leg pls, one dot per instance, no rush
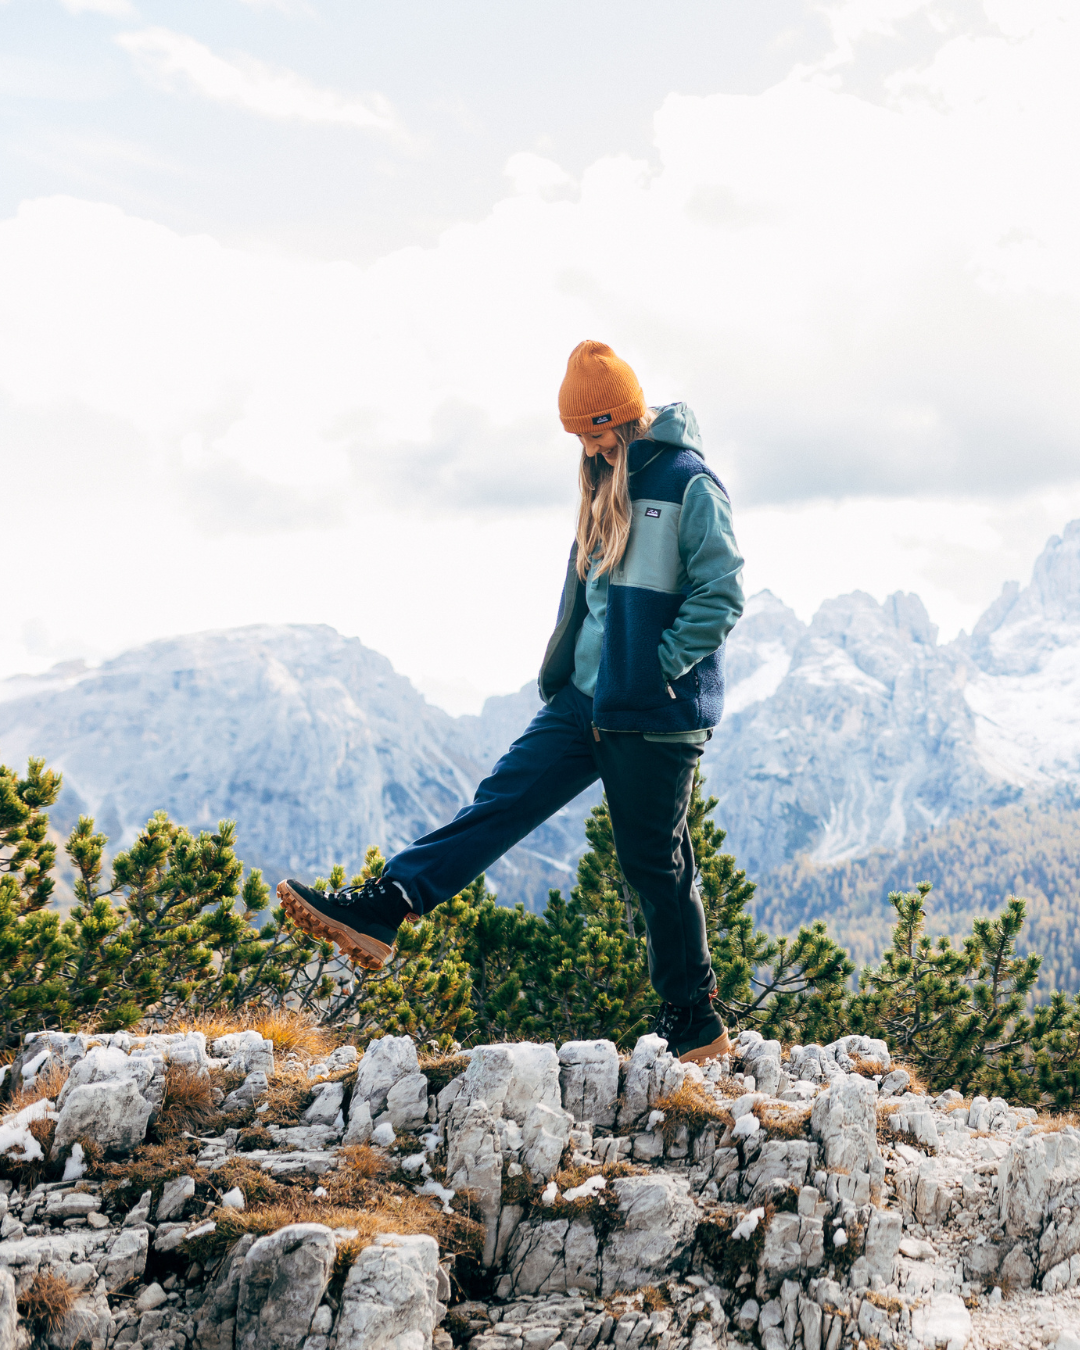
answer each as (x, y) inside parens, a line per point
(648, 785)
(546, 767)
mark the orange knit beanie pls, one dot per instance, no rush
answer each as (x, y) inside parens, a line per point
(599, 390)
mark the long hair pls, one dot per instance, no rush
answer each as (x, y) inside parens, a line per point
(603, 524)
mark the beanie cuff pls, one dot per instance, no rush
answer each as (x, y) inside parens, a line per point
(629, 411)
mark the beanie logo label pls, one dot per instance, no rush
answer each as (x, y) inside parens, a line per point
(599, 421)
(652, 511)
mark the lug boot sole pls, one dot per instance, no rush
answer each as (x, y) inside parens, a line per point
(721, 1046)
(362, 949)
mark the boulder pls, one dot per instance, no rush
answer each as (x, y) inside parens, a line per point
(390, 1299)
(8, 1311)
(944, 1321)
(246, 1052)
(511, 1078)
(651, 1074)
(385, 1061)
(106, 1064)
(849, 1048)
(326, 1104)
(126, 1259)
(544, 1136)
(474, 1160)
(282, 1282)
(174, 1197)
(113, 1114)
(882, 1243)
(589, 1077)
(407, 1102)
(360, 1126)
(216, 1323)
(658, 1220)
(252, 1089)
(844, 1119)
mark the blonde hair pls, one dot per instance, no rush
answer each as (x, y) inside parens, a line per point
(603, 524)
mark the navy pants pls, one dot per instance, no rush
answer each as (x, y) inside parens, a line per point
(648, 785)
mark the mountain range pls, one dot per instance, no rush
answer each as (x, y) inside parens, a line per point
(856, 734)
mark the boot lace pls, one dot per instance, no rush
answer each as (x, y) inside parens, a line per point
(669, 1021)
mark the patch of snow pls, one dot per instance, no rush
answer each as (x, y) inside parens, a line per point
(75, 1167)
(744, 1229)
(763, 682)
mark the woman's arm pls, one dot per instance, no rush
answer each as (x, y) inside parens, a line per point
(713, 564)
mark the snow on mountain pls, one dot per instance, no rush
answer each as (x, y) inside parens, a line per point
(874, 731)
(310, 741)
(850, 733)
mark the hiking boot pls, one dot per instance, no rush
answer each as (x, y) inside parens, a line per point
(362, 920)
(693, 1034)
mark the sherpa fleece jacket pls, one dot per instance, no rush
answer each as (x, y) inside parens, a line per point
(671, 600)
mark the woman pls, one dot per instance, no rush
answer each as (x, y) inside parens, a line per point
(632, 683)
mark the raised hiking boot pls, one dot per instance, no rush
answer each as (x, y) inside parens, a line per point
(362, 920)
(694, 1034)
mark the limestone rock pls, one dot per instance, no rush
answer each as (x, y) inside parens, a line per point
(589, 1077)
(126, 1258)
(217, 1317)
(282, 1282)
(326, 1104)
(8, 1311)
(511, 1078)
(659, 1220)
(944, 1321)
(883, 1234)
(246, 1052)
(407, 1102)
(390, 1299)
(545, 1134)
(360, 1126)
(474, 1160)
(844, 1119)
(651, 1074)
(113, 1114)
(252, 1089)
(385, 1061)
(174, 1197)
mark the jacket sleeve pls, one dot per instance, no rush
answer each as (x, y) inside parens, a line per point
(713, 565)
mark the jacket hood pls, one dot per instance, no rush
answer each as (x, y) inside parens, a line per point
(675, 427)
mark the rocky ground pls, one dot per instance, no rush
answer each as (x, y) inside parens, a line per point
(523, 1197)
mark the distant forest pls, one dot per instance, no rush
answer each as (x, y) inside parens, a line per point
(1029, 849)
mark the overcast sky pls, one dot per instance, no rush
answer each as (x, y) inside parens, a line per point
(287, 288)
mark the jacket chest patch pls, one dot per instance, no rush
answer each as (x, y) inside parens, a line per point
(652, 511)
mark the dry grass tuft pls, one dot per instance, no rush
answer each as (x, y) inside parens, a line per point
(258, 1187)
(1047, 1122)
(46, 1087)
(441, 1069)
(187, 1104)
(47, 1302)
(867, 1068)
(364, 1161)
(653, 1299)
(884, 1301)
(779, 1123)
(404, 1214)
(693, 1106)
(148, 1169)
(290, 1031)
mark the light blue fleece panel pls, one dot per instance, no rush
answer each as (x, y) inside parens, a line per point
(711, 562)
(590, 638)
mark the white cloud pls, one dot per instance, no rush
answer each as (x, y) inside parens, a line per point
(175, 61)
(873, 306)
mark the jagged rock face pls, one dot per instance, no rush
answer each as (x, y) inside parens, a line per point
(859, 730)
(309, 740)
(830, 1211)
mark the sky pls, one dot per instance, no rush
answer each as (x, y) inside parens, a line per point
(287, 289)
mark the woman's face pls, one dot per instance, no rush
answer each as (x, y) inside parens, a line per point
(603, 442)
